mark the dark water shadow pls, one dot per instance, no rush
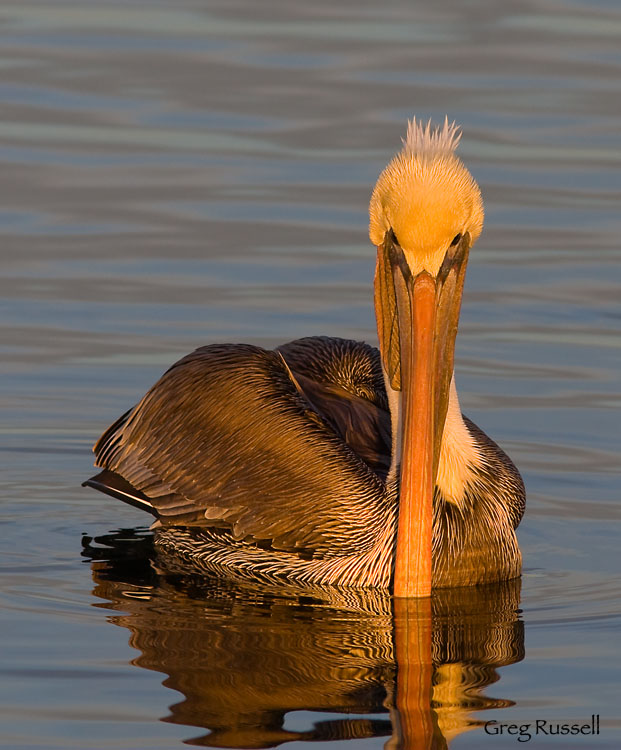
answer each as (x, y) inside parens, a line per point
(245, 657)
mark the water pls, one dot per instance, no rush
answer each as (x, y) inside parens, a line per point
(175, 174)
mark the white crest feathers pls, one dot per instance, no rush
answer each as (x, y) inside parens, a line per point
(427, 139)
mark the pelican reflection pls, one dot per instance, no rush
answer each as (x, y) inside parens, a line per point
(246, 659)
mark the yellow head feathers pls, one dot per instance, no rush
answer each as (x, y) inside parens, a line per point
(426, 196)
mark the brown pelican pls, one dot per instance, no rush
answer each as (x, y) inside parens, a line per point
(326, 461)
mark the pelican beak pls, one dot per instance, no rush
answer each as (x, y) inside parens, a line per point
(417, 318)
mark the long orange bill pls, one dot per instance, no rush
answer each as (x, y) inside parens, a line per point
(417, 319)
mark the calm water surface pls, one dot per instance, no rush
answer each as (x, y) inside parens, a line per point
(176, 174)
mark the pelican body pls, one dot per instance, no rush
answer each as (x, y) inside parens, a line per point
(327, 461)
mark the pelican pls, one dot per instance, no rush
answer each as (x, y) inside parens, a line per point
(326, 461)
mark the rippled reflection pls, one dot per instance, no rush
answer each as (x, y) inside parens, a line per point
(244, 658)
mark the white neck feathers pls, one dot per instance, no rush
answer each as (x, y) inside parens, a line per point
(459, 454)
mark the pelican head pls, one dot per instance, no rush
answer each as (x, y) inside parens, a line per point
(425, 213)
(426, 197)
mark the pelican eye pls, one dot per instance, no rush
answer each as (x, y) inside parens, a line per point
(455, 240)
(394, 237)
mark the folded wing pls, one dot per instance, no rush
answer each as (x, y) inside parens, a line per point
(232, 437)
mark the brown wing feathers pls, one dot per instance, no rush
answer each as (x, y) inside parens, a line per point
(225, 438)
